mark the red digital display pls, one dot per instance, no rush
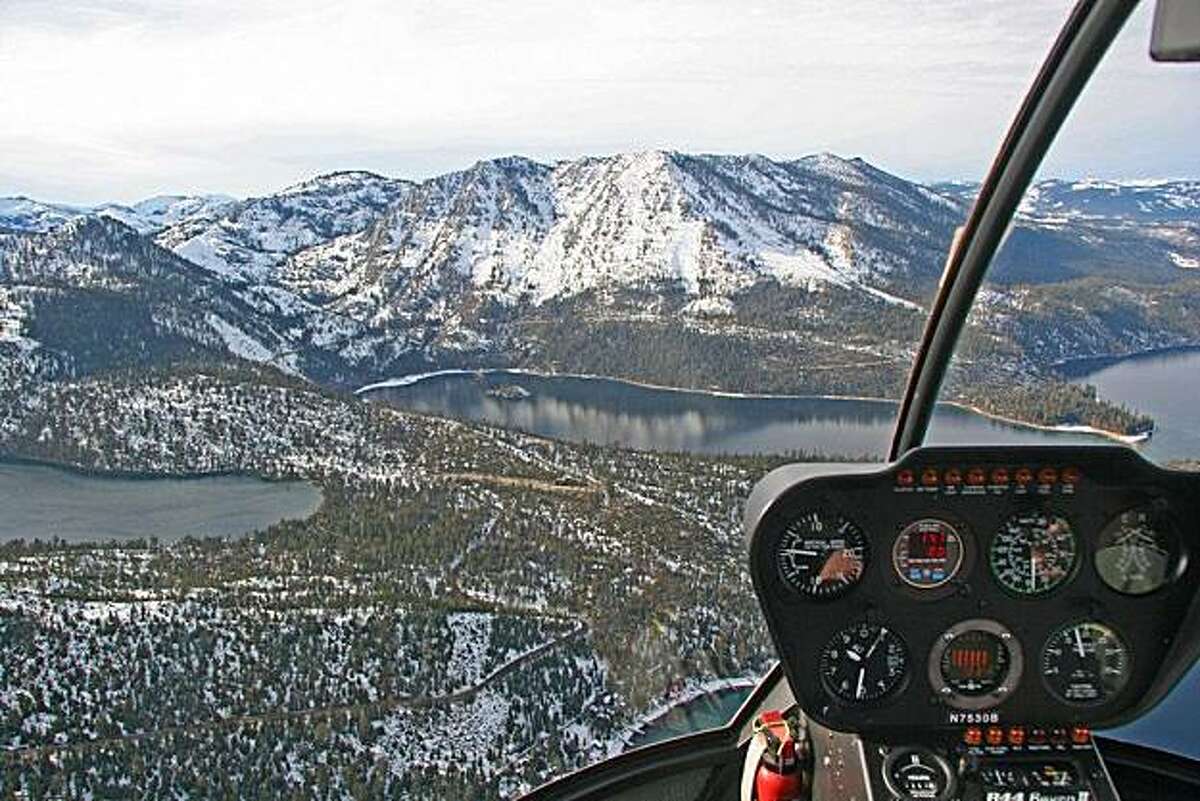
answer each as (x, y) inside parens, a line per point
(972, 663)
(927, 544)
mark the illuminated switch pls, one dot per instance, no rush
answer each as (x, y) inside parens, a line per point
(1071, 475)
(1016, 736)
(995, 736)
(973, 736)
(1024, 476)
(1000, 475)
(929, 477)
(953, 477)
(1081, 735)
(1047, 475)
(976, 476)
(905, 478)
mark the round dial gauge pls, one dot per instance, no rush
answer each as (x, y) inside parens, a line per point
(1085, 663)
(975, 664)
(1138, 551)
(927, 554)
(918, 774)
(1033, 553)
(864, 662)
(822, 554)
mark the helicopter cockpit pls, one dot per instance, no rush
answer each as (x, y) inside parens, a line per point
(958, 622)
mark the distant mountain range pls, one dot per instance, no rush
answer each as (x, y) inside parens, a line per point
(749, 267)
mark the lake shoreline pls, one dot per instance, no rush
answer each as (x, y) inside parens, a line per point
(694, 691)
(141, 475)
(1101, 360)
(414, 378)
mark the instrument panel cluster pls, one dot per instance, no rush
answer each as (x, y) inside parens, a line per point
(964, 586)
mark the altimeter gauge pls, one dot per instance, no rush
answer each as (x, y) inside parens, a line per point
(1033, 553)
(864, 662)
(1138, 551)
(822, 554)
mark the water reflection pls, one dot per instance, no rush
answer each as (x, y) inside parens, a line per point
(610, 412)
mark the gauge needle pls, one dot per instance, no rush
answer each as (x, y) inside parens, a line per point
(878, 637)
(854, 657)
(798, 552)
(862, 674)
(1079, 643)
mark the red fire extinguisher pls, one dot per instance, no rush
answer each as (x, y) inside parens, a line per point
(779, 776)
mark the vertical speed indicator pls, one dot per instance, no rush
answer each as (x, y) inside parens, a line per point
(822, 554)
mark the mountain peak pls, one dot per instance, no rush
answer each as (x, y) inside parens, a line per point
(339, 181)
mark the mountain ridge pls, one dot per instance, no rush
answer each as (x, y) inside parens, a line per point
(639, 264)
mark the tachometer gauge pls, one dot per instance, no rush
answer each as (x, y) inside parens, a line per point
(1138, 551)
(927, 554)
(1033, 553)
(975, 664)
(864, 662)
(1085, 663)
(822, 554)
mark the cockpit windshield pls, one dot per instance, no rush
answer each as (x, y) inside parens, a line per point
(381, 385)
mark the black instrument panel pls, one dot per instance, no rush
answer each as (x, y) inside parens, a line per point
(980, 586)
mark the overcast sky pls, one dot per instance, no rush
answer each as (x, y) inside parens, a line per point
(120, 99)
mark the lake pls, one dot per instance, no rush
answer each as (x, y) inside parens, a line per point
(613, 412)
(708, 711)
(45, 502)
(1165, 385)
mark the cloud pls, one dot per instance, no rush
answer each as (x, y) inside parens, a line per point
(104, 99)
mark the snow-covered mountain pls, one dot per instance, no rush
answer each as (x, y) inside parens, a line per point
(1143, 201)
(352, 275)
(518, 232)
(251, 239)
(154, 214)
(23, 215)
